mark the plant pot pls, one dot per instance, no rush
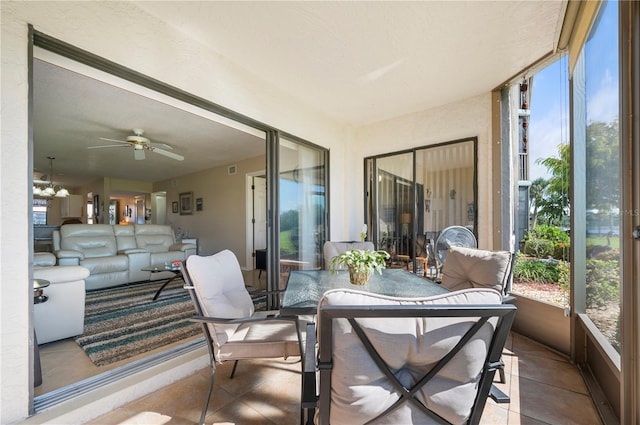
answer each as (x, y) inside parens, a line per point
(359, 277)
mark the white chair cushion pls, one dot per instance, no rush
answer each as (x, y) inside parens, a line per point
(475, 268)
(409, 345)
(220, 288)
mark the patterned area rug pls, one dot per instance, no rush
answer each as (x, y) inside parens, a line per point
(123, 322)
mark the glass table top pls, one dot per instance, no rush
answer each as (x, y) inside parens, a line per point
(306, 287)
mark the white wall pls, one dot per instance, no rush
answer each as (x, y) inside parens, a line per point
(468, 118)
(161, 52)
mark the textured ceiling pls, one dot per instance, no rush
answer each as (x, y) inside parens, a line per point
(357, 62)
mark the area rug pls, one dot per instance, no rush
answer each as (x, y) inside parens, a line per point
(123, 322)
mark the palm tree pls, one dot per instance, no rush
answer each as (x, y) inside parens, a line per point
(536, 196)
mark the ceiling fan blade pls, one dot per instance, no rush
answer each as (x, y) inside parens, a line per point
(113, 140)
(169, 154)
(107, 146)
(138, 154)
(160, 145)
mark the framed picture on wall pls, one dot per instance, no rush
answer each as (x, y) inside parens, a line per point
(174, 207)
(96, 205)
(186, 203)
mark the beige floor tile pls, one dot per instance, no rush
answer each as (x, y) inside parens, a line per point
(552, 405)
(551, 372)
(132, 417)
(523, 345)
(543, 386)
(494, 414)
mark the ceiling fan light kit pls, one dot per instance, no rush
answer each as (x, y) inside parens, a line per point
(140, 144)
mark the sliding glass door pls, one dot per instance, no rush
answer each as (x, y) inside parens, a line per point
(302, 205)
(412, 196)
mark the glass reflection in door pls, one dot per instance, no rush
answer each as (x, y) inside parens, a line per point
(302, 207)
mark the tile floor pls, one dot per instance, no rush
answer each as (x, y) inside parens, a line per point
(544, 388)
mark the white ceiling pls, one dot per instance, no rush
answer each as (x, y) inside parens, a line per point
(358, 62)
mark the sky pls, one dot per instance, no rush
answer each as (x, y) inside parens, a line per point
(549, 124)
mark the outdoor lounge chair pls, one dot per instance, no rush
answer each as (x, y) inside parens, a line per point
(232, 328)
(404, 360)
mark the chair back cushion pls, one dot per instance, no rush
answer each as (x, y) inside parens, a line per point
(93, 240)
(331, 249)
(476, 268)
(410, 346)
(220, 289)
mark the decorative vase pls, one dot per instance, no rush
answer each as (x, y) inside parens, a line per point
(359, 277)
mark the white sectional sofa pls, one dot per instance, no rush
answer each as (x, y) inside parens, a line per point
(116, 254)
(62, 315)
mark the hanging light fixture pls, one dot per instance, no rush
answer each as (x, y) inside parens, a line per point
(50, 191)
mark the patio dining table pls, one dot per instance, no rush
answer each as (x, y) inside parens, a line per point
(305, 287)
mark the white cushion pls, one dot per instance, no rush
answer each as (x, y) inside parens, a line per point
(410, 346)
(475, 268)
(220, 288)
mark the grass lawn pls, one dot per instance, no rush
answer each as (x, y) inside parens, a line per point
(286, 246)
(614, 241)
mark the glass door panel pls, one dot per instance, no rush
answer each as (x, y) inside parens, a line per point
(412, 196)
(302, 207)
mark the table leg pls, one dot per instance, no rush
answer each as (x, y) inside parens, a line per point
(155, 297)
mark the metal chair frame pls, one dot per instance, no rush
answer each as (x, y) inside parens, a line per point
(505, 314)
(203, 320)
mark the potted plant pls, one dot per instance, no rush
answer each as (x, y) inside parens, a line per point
(361, 264)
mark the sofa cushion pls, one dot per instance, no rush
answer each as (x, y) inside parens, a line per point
(100, 265)
(93, 240)
(125, 237)
(408, 345)
(154, 237)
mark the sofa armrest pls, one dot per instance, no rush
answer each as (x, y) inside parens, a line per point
(44, 259)
(69, 257)
(184, 247)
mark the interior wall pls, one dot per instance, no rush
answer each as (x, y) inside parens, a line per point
(222, 222)
(466, 118)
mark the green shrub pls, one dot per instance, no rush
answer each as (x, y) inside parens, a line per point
(561, 251)
(603, 282)
(551, 233)
(547, 241)
(541, 248)
(535, 270)
(564, 275)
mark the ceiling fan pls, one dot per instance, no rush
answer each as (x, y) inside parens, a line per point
(140, 144)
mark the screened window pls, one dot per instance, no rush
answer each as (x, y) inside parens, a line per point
(597, 95)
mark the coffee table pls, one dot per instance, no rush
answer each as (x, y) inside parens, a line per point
(157, 268)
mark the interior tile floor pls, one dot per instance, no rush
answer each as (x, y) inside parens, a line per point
(544, 389)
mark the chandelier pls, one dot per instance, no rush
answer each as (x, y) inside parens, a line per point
(50, 190)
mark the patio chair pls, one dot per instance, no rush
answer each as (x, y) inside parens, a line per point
(477, 268)
(333, 248)
(404, 360)
(232, 328)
